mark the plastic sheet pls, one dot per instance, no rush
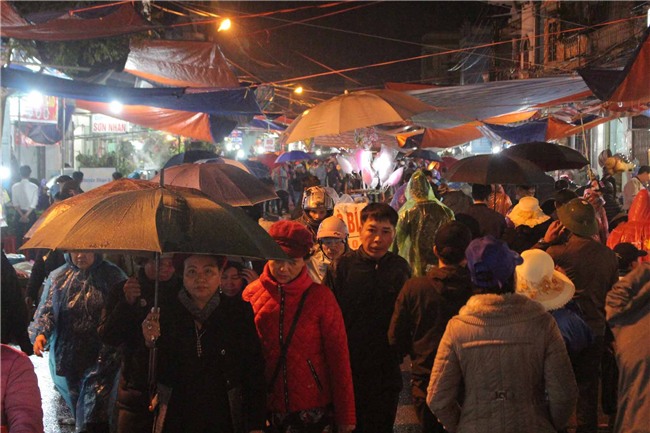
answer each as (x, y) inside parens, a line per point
(419, 220)
(637, 229)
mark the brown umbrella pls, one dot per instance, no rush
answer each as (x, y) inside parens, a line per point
(156, 221)
(352, 111)
(61, 207)
(221, 182)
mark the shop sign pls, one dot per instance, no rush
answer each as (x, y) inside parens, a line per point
(107, 125)
(350, 213)
(39, 109)
(268, 143)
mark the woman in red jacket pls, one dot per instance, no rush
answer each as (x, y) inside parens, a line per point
(303, 340)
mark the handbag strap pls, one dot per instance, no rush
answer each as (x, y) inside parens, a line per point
(285, 347)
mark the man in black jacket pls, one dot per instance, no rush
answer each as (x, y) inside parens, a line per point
(424, 307)
(366, 283)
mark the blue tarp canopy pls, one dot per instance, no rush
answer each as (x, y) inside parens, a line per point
(531, 131)
(220, 102)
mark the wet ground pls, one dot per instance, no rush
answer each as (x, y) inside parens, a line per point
(54, 408)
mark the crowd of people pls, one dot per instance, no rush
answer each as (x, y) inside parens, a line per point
(505, 304)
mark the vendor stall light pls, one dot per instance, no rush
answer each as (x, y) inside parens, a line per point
(318, 152)
(224, 25)
(137, 145)
(496, 149)
(240, 154)
(298, 90)
(35, 98)
(115, 107)
(5, 172)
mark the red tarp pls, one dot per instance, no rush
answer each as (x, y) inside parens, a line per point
(180, 64)
(71, 27)
(558, 129)
(194, 125)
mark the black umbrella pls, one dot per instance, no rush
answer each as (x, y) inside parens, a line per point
(500, 168)
(190, 156)
(427, 154)
(548, 156)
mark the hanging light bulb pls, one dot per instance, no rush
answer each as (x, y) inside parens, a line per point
(224, 25)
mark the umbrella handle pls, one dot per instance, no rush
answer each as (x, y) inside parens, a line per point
(153, 363)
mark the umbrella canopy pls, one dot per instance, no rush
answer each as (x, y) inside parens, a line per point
(294, 155)
(124, 184)
(503, 169)
(548, 156)
(190, 156)
(221, 182)
(157, 220)
(352, 111)
(447, 162)
(429, 155)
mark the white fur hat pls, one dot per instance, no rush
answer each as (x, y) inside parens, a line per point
(527, 212)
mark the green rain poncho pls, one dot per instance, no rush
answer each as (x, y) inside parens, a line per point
(419, 220)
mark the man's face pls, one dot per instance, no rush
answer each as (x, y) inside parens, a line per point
(333, 248)
(285, 271)
(377, 237)
(644, 177)
(318, 214)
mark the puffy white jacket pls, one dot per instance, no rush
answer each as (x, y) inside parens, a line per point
(502, 367)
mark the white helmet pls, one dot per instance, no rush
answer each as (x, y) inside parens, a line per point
(332, 227)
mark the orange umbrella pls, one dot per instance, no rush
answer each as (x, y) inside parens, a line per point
(353, 111)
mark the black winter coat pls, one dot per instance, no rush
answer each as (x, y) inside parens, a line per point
(121, 327)
(423, 308)
(225, 386)
(366, 290)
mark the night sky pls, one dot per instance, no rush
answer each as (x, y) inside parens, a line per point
(275, 53)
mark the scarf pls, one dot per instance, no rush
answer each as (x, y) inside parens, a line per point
(199, 315)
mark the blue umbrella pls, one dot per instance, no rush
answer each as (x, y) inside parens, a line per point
(294, 155)
(429, 155)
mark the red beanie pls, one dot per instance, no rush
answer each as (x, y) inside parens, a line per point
(293, 238)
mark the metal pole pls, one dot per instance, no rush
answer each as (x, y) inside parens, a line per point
(63, 136)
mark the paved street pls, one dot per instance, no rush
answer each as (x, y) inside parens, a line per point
(54, 407)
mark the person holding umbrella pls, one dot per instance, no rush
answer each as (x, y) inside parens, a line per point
(127, 306)
(210, 369)
(83, 368)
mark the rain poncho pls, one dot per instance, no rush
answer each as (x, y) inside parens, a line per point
(419, 220)
(637, 228)
(83, 369)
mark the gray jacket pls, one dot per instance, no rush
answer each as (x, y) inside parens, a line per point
(502, 367)
(628, 314)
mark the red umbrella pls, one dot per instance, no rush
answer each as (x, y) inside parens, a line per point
(268, 159)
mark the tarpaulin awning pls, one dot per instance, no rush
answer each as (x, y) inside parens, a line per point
(526, 133)
(221, 102)
(630, 85)
(47, 133)
(558, 129)
(459, 105)
(262, 122)
(99, 23)
(443, 138)
(180, 63)
(195, 125)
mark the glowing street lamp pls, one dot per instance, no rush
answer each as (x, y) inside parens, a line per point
(298, 90)
(224, 25)
(115, 107)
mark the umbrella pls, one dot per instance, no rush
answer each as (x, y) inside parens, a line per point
(294, 155)
(61, 207)
(156, 220)
(499, 168)
(267, 159)
(190, 156)
(221, 182)
(548, 156)
(447, 162)
(352, 111)
(429, 155)
(257, 169)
